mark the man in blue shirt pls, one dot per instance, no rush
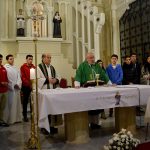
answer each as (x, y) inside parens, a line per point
(115, 74)
(114, 71)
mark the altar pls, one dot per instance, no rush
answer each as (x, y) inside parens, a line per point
(75, 103)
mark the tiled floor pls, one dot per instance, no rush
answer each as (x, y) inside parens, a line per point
(15, 137)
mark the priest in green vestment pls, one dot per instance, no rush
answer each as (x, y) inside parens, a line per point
(87, 71)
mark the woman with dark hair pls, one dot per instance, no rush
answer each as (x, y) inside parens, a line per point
(145, 72)
(100, 62)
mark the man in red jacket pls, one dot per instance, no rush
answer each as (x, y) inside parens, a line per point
(3, 92)
(26, 84)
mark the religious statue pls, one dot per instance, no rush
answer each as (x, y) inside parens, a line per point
(57, 28)
(20, 23)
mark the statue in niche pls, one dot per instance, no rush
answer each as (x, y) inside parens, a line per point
(57, 28)
(20, 23)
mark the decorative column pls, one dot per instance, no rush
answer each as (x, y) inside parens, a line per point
(44, 27)
(89, 12)
(21, 4)
(66, 19)
(14, 19)
(6, 19)
(99, 21)
(115, 32)
(59, 7)
(50, 22)
(69, 16)
(77, 35)
(96, 36)
(83, 6)
(50, 2)
(29, 24)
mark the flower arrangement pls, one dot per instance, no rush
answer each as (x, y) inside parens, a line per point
(122, 141)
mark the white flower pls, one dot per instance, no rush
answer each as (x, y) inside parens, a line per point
(123, 140)
(115, 134)
(114, 147)
(106, 148)
(123, 136)
(131, 136)
(127, 142)
(115, 138)
(129, 133)
(127, 147)
(110, 141)
(123, 130)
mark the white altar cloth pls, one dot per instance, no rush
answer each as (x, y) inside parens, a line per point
(60, 101)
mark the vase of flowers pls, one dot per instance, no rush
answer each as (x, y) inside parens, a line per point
(122, 141)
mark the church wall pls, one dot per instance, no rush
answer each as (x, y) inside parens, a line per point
(63, 24)
(66, 49)
(106, 35)
(60, 53)
(71, 47)
(60, 49)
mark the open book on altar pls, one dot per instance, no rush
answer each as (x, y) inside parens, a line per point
(93, 83)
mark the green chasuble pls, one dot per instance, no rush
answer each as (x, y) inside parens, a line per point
(87, 72)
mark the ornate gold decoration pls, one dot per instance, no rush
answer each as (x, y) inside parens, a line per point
(34, 140)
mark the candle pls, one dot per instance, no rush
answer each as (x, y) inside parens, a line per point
(32, 73)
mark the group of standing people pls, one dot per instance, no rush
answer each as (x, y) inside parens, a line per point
(114, 73)
(14, 81)
(10, 85)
